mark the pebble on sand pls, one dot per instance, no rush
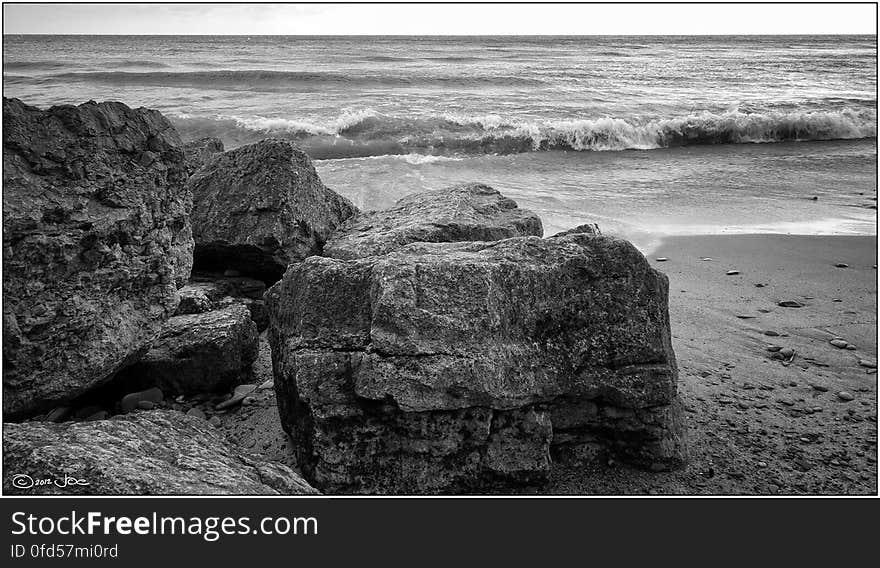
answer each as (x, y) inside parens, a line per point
(790, 304)
(130, 401)
(845, 396)
(732, 272)
(868, 364)
(195, 412)
(661, 259)
(841, 265)
(839, 343)
(771, 333)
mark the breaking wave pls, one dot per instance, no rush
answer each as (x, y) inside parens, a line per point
(368, 133)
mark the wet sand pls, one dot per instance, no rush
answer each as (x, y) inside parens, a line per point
(757, 425)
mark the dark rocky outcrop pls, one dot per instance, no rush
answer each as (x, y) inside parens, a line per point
(467, 212)
(96, 241)
(196, 353)
(207, 292)
(464, 366)
(261, 207)
(199, 151)
(144, 453)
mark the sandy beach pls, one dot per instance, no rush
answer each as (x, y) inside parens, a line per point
(756, 425)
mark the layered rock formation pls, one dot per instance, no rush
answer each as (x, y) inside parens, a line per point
(261, 207)
(96, 240)
(459, 366)
(145, 453)
(467, 212)
(206, 292)
(195, 353)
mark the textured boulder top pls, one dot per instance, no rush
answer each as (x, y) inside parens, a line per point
(145, 453)
(96, 240)
(467, 212)
(497, 324)
(199, 151)
(260, 207)
(90, 147)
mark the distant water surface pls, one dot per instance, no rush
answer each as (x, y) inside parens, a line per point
(645, 135)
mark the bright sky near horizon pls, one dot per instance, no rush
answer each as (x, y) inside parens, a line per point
(435, 19)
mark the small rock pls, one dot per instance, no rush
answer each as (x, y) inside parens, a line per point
(790, 304)
(773, 348)
(820, 388)
(146, 405)
(100, 415)
(215, 422)
(845, 396)
(744, 405)
(770, 333)
(868, 364)
(851, 347)
(130, 401)
(58, 414)
(786, 352)
(841, 265)
(87, 411)
(732, 272)
(839, 343)
(706, 259)
(197, 413)
(661, 259)
(759, 285)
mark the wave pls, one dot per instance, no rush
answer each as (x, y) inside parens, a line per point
(368, 133)
(269, 80)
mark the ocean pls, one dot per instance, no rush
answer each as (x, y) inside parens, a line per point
(646, 136)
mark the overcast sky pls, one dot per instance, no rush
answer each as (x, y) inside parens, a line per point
(438, 19)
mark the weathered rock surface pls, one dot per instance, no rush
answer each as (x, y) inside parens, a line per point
(195, 353)
(259, 208)
(96, 240)
(467, 212)
(145, 453)
(455, 366)
(588, 228)
(206, 292)
(199, 151)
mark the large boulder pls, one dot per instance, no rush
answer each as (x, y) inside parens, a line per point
(460, 366)
(145, 453)
(196, 353)
(467, 212)
(96, 241)
(261, 207)
(199, 151)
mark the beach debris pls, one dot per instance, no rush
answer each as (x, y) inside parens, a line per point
(845, 396)
(841, 265)
(790, 304)
(661, 259)
(59, 414)
(238, 395)
(868, 364)
(732, 272)
(132, 400)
